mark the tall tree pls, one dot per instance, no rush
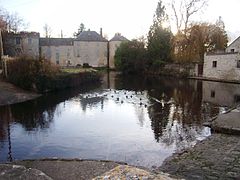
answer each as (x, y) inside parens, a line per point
(183, 10)
(11, 22)
(130, 57)
(80, 29)
(159, 36)
(47, 30)
(201, 38)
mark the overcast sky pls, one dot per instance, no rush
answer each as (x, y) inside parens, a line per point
(132, 18)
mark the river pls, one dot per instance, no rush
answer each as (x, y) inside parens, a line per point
(134, 119)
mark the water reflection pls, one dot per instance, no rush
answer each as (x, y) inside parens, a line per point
(134, 119)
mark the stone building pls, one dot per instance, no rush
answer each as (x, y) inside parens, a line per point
(58, 50)
(23, 43)
(114, 43)
(223, 66)
(91, 48)
(88, 47)
(234, 46)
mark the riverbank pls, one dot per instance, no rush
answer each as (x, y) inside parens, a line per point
(217, 157)
(10, 94)
(75, 169)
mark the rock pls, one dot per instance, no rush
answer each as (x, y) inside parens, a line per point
(131, 173)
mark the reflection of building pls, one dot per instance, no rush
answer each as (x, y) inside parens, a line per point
(225, 65)
(222, 94)
(91, 101)
(88, 47)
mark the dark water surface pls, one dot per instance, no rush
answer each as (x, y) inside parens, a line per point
(133, 119)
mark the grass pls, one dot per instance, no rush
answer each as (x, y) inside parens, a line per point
(77, 70)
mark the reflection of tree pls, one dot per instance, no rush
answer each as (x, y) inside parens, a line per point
(38, 113)
(5, 119)
(175, 112)
(5, 131)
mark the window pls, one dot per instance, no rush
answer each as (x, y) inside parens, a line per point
(232, 50)
(212, 94)
(29, 41)
(238, 63)
(214, 64)
(18, 40)
(57, 58)
(237, 98)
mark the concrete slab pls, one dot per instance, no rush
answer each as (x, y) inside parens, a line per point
(228, 123)
(17, 172)
(10, 94)
(76, 169)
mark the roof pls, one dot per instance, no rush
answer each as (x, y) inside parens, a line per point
(119, 37)
(234, 41)
(56, 41)
(90, 36)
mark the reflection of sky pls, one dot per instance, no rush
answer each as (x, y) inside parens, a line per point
(112, 125)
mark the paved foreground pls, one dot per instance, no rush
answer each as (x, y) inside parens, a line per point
(60, 169)
(10, 94)
(217, 157)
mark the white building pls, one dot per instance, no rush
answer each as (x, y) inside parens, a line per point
(58, 50)
(88, 48)
(223, 66)
(91, 48)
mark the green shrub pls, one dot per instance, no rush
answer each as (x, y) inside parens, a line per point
(42, 76)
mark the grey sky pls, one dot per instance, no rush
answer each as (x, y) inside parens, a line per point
(132, 18)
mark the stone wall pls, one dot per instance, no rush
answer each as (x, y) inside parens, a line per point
(223, 94)
(176, 70)
(226, 67)
(63, 54)
(93, 53)
(23, 43)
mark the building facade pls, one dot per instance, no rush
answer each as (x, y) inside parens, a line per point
(114, 43)
(23, 43)
(88, 47)
(223, 66)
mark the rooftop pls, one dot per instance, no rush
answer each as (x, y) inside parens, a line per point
(119, 37)
(90, 36)
(56, 41)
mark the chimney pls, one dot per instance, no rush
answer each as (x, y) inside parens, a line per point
(101, 32)
(61, 34)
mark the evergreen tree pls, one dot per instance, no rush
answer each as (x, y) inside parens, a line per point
(159, 37)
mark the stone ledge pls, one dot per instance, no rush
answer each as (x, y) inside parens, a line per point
(228, 123)
(17, 172)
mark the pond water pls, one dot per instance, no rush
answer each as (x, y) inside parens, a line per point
(132, 119)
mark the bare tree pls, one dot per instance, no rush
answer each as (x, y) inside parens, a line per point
(47, 30)
(183, 11)
(11, 22)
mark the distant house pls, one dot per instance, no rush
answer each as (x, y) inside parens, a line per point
(113, 45)
(223, 65)
(88, 47)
